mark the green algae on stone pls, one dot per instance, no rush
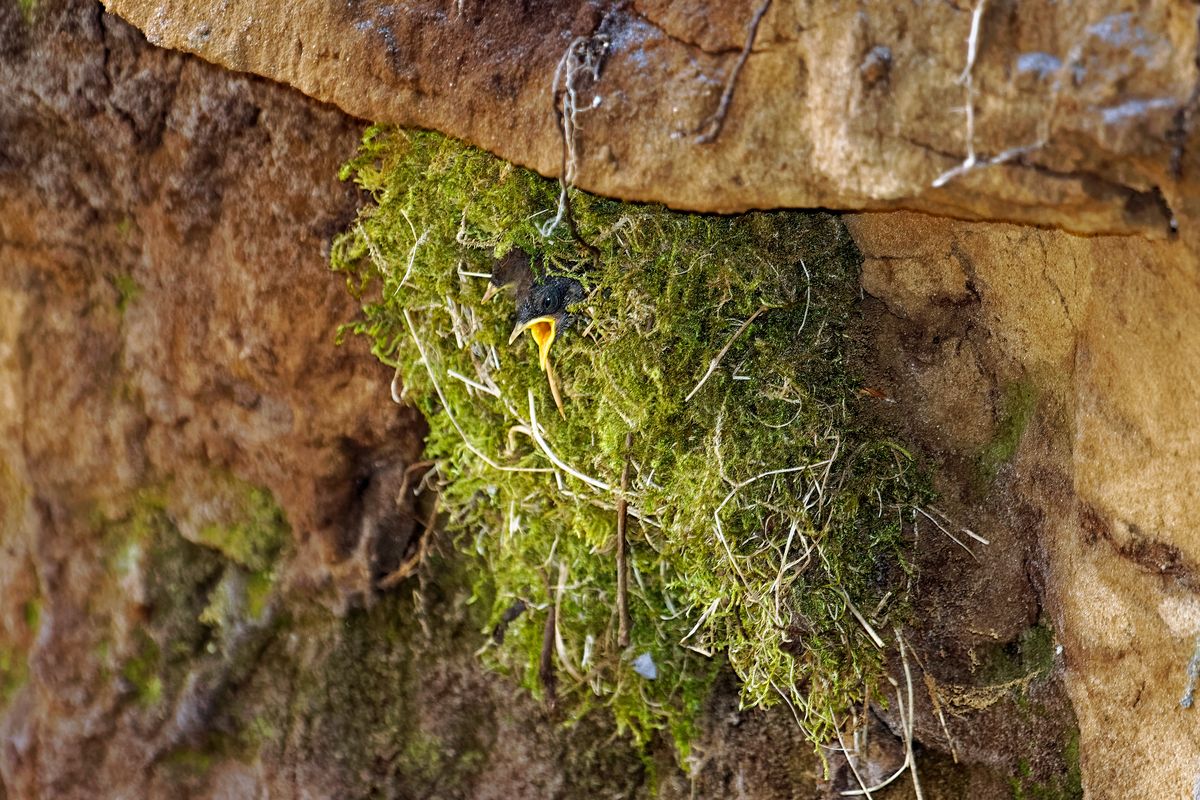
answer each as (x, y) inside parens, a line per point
(128, 290)
(1016, 410)
(241, 521)
(1067, 785)
(766, 513)
(195, 592)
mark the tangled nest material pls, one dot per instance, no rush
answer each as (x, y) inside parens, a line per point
(712, 365)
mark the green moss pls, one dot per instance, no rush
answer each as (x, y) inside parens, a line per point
(244, 523)
(177, 576)
(128, 290)
(27, 8)
(32, 611)
(14, 672)
(1029, 655)
(1016, 410)
(1065, 786)
(142, 670)
(238, 597)
(765, 505)
(191, 761)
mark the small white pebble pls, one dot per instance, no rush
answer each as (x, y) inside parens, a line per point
(644, 665)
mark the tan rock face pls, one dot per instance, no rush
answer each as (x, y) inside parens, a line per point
(166, 320)
(845, 106)
(1102, 331)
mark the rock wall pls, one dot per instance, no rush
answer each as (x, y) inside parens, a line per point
(1097, 335)
(851, 105)
(168, 374)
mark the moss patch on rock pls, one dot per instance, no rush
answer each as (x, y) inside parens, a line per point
(766, 513)
(1017, 405)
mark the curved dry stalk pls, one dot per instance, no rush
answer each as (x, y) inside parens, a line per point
(412, 330)
(554, 459)
(710, 129)
(712, 365)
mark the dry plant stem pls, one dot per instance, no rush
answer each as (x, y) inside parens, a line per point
(963, 528)
(562, 95)
(710, 129)
(362, 552)
(546, 667)
(412, 330)
(862, 787)
(623, 624)
(953, 538)
(931, 690)
(861, 619)
(712, 365)
(409, 567)
(973, 161)
(906, 729)
(555, 460)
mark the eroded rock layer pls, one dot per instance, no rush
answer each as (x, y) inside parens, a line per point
(199, 490)
(1084, 109)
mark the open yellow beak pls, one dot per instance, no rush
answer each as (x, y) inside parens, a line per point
(543, 330)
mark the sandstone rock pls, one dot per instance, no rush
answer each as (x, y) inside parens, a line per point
(1101, 487)
(852, 106)
(166, 320)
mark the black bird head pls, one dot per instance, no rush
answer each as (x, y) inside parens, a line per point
(541, 301)
(542, 310)
(514, 270)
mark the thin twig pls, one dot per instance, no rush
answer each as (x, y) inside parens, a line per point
(555, 460)
(546, 672)
(906, 713)
(708, 612)
(931, 690)
(861, 619)
(409, 567)
(953, 538)
(412, 253)
(862, 790)
(712, 365)
(908, 730)
(962, 528)
(710, 129)
(474, 384)
(412, 329)
(623, 624)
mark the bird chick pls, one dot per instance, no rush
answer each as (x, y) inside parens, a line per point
(542, 301)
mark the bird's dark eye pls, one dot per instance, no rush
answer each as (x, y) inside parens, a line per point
(547, 303)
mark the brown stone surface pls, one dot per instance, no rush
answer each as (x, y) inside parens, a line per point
(1101, 490)
(167, 325)
(843, 106)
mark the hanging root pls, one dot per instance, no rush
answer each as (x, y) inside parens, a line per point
(710, 129)
(580, 64)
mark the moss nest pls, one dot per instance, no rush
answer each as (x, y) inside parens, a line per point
(766, 512)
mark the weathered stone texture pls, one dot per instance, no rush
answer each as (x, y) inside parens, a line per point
(839, 105)
(1102, 331)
